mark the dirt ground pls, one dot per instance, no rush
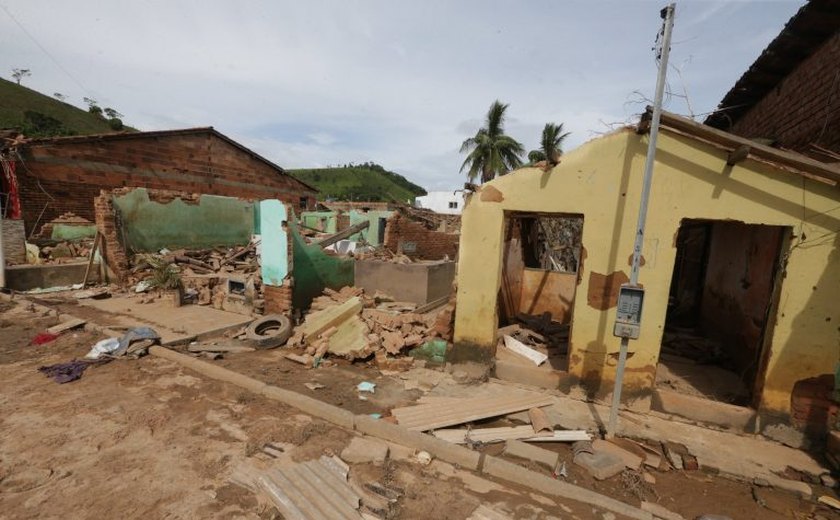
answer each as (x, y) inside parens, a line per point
(148, 439)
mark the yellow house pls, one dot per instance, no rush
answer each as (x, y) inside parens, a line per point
(740, 267)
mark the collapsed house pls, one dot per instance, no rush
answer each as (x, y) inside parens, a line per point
(740, 262)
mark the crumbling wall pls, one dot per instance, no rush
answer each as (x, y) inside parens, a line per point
(804, 108)
(413, 239)
(66, 174)
(111, 247)
(14, 248)
(156, 219)
(314, 269)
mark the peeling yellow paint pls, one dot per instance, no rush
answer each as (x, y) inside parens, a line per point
(602, 180)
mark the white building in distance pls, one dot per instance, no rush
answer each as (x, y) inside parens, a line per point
(447, 202)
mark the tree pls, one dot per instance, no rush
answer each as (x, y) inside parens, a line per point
(59, 96)
(491, 152)
(110, 113)
(551, 145)
(93, 106)
(19, 74)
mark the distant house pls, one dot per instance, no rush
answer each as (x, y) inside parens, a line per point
(447, 202)
(790, 96)
(45, 178)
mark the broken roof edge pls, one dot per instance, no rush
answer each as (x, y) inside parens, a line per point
(163, 133)
(781, 159)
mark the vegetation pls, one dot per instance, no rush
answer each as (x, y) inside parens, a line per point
(19, 74)
(491, 152)
(551, 145)
(38, 115)
(364, 182)
(165, 275)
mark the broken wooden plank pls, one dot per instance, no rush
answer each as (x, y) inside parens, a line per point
(561, 436)
(508, 433)
(429, 416)
(341, 235)
(320, 321)
(517, 347)
(67, 325)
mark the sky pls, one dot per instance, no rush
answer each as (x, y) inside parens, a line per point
(400, 83)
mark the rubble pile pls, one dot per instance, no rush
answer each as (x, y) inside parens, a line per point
(538, 333)
(353, 325)
(63, 251)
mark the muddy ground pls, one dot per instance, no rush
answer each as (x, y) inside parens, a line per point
(149, 439)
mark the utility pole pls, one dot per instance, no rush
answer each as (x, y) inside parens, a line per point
(631, 295)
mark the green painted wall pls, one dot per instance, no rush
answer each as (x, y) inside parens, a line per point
(327, 221)
(371, 234)
(313, 269)
(214, 221)
(72, 232)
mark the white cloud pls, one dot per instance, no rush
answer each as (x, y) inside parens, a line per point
(400, 83)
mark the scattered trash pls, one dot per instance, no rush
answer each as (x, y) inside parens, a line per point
(42, 338)
(313, 386)
(142, 286)
(133, 343)
(433, 351)
(365, 386)
(105, 346)
(560, 470)
(70, 371)
(423, 458)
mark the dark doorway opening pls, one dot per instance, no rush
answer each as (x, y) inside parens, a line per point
(722, 301)
(541, 261)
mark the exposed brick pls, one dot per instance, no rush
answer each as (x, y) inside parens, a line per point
(426, 244)
(278, 300)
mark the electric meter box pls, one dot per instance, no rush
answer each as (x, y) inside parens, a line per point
(628, 318)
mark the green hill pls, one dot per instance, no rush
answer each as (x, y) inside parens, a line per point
(38, 115)
(365, 182)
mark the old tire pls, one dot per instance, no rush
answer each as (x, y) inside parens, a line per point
(269, 331)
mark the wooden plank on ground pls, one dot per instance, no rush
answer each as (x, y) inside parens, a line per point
(67, 325)
(430, 416)
(508, 433)
(318, 322)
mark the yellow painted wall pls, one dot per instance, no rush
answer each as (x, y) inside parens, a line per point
(602, 180)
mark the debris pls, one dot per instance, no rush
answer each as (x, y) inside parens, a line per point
(433, 351)
(320, 321)
(424, 458)
(539, 421)
(483, 512)
(305, 359)
(504, 433)
(43, 337)
(560, 469)
(430, 416)
(362, 450)
(659, 511)
(66, 372)
(142, 286)
(105, 346)
(829, 501)
(227, 349)
(601, 465)
(97, 293)
(523, 350)
(631, 460)
(526, 451)
(66, 325)
(133, 343)
(366, 386)
(308, 490)
(314, 386)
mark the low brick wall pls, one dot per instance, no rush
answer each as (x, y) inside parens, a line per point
(413, 239)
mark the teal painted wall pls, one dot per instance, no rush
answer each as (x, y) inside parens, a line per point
(213, 221)
(274, 257)
(313, 269)
(327, 221)
(72, 232)
(371, 234)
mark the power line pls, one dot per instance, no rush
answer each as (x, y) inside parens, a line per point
(44, 50)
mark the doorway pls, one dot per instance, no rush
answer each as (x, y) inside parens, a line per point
(541, 262)
(722, 303)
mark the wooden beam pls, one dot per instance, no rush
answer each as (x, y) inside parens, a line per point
(341, 235)
(739, 154)
(789, 160)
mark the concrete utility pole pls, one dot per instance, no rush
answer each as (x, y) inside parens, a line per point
(2, 255)
(667, 15)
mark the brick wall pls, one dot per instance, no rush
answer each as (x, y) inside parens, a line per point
(812, 407)
(111, 247)
(804, 108)
(66, 175)
(14, 248)
(278, 300)
(403, 234)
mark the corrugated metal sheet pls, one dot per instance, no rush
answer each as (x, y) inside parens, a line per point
(430, 416)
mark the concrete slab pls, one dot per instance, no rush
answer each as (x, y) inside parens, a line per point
(738, 418)
(174, 324)
(601, 465)
(44, 276)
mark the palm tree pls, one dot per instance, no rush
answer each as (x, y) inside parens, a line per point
(491, 152)
(551, 144)
(535, 156)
